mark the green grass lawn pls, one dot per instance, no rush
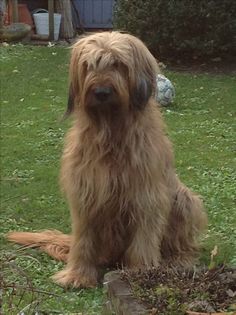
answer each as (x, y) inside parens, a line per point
(201, 125)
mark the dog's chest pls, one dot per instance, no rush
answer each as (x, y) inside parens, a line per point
(110, 174)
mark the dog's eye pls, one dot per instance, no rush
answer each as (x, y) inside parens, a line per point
(120, 67)
(98, 61)
(116, 65)
(85, 66)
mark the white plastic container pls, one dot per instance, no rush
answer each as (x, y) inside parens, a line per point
(41, 21)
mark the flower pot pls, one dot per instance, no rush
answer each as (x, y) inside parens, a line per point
(41, 20)
(14, 32)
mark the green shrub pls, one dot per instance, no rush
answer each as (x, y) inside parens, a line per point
(180, 28)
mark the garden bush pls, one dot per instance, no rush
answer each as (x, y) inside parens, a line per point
(183, 29)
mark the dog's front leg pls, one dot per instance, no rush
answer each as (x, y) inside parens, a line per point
(144, 250)
(81, 270)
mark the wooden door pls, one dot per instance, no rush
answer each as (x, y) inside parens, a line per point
(95, 13)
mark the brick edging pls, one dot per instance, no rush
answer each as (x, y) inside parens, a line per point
(120, 297)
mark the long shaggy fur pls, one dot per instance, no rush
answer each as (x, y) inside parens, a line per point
(128, 206)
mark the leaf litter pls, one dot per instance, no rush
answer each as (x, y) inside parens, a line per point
(171, 291)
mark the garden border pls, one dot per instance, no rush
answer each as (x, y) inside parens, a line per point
(120, 297)
(121, 300)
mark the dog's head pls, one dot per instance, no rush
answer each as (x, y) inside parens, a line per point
(111, 70)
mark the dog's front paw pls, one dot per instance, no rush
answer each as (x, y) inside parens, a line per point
(74, 279)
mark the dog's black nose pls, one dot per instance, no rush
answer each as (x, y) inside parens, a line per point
(102, 93)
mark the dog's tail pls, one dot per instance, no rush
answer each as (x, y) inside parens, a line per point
(54, 243)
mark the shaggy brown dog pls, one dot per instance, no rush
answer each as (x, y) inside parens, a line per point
(127, 204)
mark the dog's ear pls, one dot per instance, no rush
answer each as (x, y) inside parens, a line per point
(143, 72)
(70, 103)
(73, 77)
(141, 93)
